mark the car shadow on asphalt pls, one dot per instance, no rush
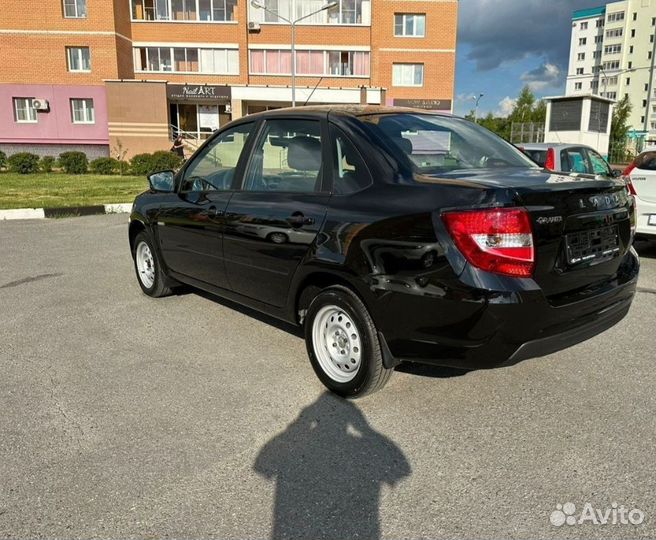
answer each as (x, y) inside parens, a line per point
(411, 368)
(329, 466)
(646, 248)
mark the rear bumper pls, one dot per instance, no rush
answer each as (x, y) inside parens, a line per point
(504, 329)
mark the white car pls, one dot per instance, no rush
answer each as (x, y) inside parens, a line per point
(641, 180)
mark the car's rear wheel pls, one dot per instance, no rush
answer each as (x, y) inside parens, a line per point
(148, 268)
(343, 345)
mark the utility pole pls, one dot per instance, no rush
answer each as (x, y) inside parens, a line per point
(477, 99)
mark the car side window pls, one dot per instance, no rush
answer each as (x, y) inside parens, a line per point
(599, 165)
(575, 162)
(350, 173)
(213, 168)
(287, 157)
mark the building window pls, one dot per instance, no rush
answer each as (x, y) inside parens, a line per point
(614, 33)
(407, 74)
(581, 56)
(609, 95)
(633, 33)
(75, 9)
(578, 86)
(579, 71)
(631, 49)
(584, 26)
(345, 12)
(596, 54)
(79, 59)
(600, 23)
(187, 60)
(615, 64)
(617, 16)
(183, 10)
(628, 81)
(612, 81)
(582, 41)
(599, 39)
(635, 16)
(409, 25)
(594, 85)
(612, 49)
(310, 62)
(24, 113)
(82, 111)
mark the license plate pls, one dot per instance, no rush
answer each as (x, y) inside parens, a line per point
(652, 219)
(592, 245)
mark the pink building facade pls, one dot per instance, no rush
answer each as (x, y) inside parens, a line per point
(75, 119)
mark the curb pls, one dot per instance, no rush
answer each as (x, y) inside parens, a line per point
(43, 213)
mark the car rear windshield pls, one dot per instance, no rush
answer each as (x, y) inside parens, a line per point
(436, 144)
(539, 156)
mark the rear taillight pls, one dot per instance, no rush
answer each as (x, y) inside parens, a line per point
(550, 162)
(498, 240)
(627, 178)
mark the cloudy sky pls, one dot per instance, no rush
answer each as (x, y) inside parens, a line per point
(505, 44)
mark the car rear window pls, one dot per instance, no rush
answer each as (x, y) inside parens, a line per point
(646, 161)
(434, 144)
(539, 156)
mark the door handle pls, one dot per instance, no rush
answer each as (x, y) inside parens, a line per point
(297, 219)
(213, 212)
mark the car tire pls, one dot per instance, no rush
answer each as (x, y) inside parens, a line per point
(342, 343)
(278, 238)
(148, 268)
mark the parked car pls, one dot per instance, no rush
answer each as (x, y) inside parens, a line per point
(641, 180)
(469, 255)
(569, 158)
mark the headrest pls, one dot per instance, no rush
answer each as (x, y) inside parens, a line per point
(404, 144)
(304, 153)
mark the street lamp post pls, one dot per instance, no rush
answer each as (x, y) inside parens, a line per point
(477, 99)
(258, 5)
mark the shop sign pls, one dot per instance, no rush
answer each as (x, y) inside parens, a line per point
(198, 93)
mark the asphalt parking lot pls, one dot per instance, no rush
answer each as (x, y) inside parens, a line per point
(124, 416)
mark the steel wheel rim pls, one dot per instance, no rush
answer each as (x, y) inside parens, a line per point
(337, 344)
(145, 265)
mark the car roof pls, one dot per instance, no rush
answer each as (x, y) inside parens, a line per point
(345, 110)
(545, 146)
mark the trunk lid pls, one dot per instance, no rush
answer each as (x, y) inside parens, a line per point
(581, 225)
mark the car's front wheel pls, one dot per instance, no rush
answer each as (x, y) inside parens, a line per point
(343, 345)
(148, 268)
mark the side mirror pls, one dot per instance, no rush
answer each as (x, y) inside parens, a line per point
(163, 181)
(616, 173)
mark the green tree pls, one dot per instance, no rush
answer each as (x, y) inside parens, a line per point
(619, 130)
(523, 109)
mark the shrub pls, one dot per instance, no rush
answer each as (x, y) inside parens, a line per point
(3, 159)
(164, 161)
(74, 162)
(142, 164)
(24, 163)
(105, 165)
(46, 164)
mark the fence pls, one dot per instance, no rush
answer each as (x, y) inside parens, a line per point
(526, 132)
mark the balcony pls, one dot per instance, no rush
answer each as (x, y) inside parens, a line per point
(347, 12)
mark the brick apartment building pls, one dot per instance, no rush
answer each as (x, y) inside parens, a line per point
(88, 74)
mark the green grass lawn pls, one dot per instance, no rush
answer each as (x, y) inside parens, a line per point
(56, 190)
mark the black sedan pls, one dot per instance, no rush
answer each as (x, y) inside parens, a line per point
(390, 235)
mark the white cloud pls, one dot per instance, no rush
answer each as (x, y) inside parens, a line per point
(546, 75)
(505, 107)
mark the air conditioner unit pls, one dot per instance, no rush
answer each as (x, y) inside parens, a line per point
(253, 27)
(40, 104)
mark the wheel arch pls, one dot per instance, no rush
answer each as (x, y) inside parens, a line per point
(136, 226)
